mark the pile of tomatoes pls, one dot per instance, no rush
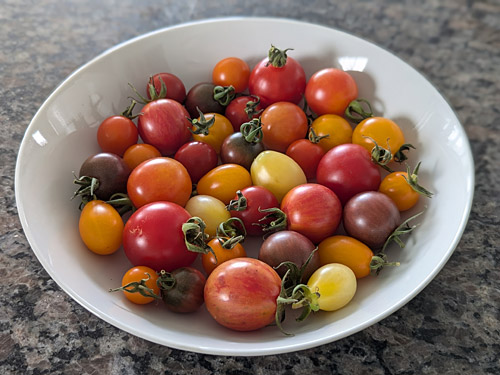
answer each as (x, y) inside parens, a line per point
(259, 152)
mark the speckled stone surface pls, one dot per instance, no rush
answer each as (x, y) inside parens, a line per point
(451, 327)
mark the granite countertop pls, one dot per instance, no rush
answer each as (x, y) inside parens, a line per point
(451, 327)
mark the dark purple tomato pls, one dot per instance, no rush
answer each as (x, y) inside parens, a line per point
(198, 158)
(201, 96)
(371, 217)
(289, 246)
(111, 172)
(186, 293)
(236, 149)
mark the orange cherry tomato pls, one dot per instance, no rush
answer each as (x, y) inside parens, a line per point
(382, 130)
(347, 251)
(210, 262)
(282, 124)
(159, 179)
(136, 275)
(224, 181)
(101, 227)
(338, 130)
(136, 154)
(220, 129)
(231, 71)
(396, 187)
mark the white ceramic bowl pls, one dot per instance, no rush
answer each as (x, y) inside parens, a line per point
(62, 135)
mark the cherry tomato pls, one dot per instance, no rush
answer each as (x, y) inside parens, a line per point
(307, 154)
(396, 187)
(220, 129)
(153, 237)
(336, 285)
(231, 71)
(136, 154)
(382, 130)
(338, 130)
(175, 88)
(198, 158)
(135, 275)
(312, 210)
(330, 90)
(101, 227)
(347, 251)
(257, 198)
(282, 124)
(201, 96)
(184, 291)
(224, 181)
(210, 262)
(116, 134)
(111, 172)
(243, 109)
(276, 172)
(277, 78)
(159, 179)
(237, 150)
(241, 294)
(347, 170)
(211, 210)
(164, 124)
(371, 217)
(289, 246)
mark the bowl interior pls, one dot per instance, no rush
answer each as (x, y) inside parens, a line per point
(62, 134)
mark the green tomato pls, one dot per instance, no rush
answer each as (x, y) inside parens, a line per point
(211, 210)
(276, 172)
(336, 285)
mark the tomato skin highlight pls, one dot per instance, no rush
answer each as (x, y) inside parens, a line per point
(159, 179)
(347, 169)
(330, 90)
(241, 294)
(347, 251)
(153, 237)
(312, 210)
(101, 227)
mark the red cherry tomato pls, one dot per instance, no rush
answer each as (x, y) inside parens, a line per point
(116, 134)
(159, 179)
(330, 91)
(198, 158)
(241, 294)
(256, 198)
(312, 210)
(347, 169)
(242, 109)
(274, 81)
(307, 154)
(164, 124)
(175, 88)
(231, 71)
(153, 237)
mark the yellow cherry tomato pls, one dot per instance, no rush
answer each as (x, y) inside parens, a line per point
(220, 129)
(382, 130)
(132, 280)
(396, 187)
(211, 210)
(337, 128)
(276, 172)
(101, 227)
(336, 285)
(224, 181)
(210, 262)
(347, 251)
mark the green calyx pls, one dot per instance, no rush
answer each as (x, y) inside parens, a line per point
(231, 232)
(252, 130)
(379, 261)
(251, 107)
(87, 187)
(224, 94)
(315, 138)
(201, 125)
(138, 287)
(404, 228)
(381, 156)
(166, 280)
(278, 220)
(121, 202)
(277, 58)
(194, 235)
(238, 204)
(412, 180)
(358, 110)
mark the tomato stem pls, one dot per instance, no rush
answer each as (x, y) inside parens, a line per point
(277, 58)
(278, 220)
(379, 261)
(238, 204)
(201, 125)
(412, 180)
(224, 94)
(128, 111)
(381, 156)
(121, 202)
(138, 287)
(400, 155)
(251, 107)
(355, 111)
(404, 228)
(252, 131)
(230, 234)
(315, 138)
(166, 280)
(195, 237)
(87, 187)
